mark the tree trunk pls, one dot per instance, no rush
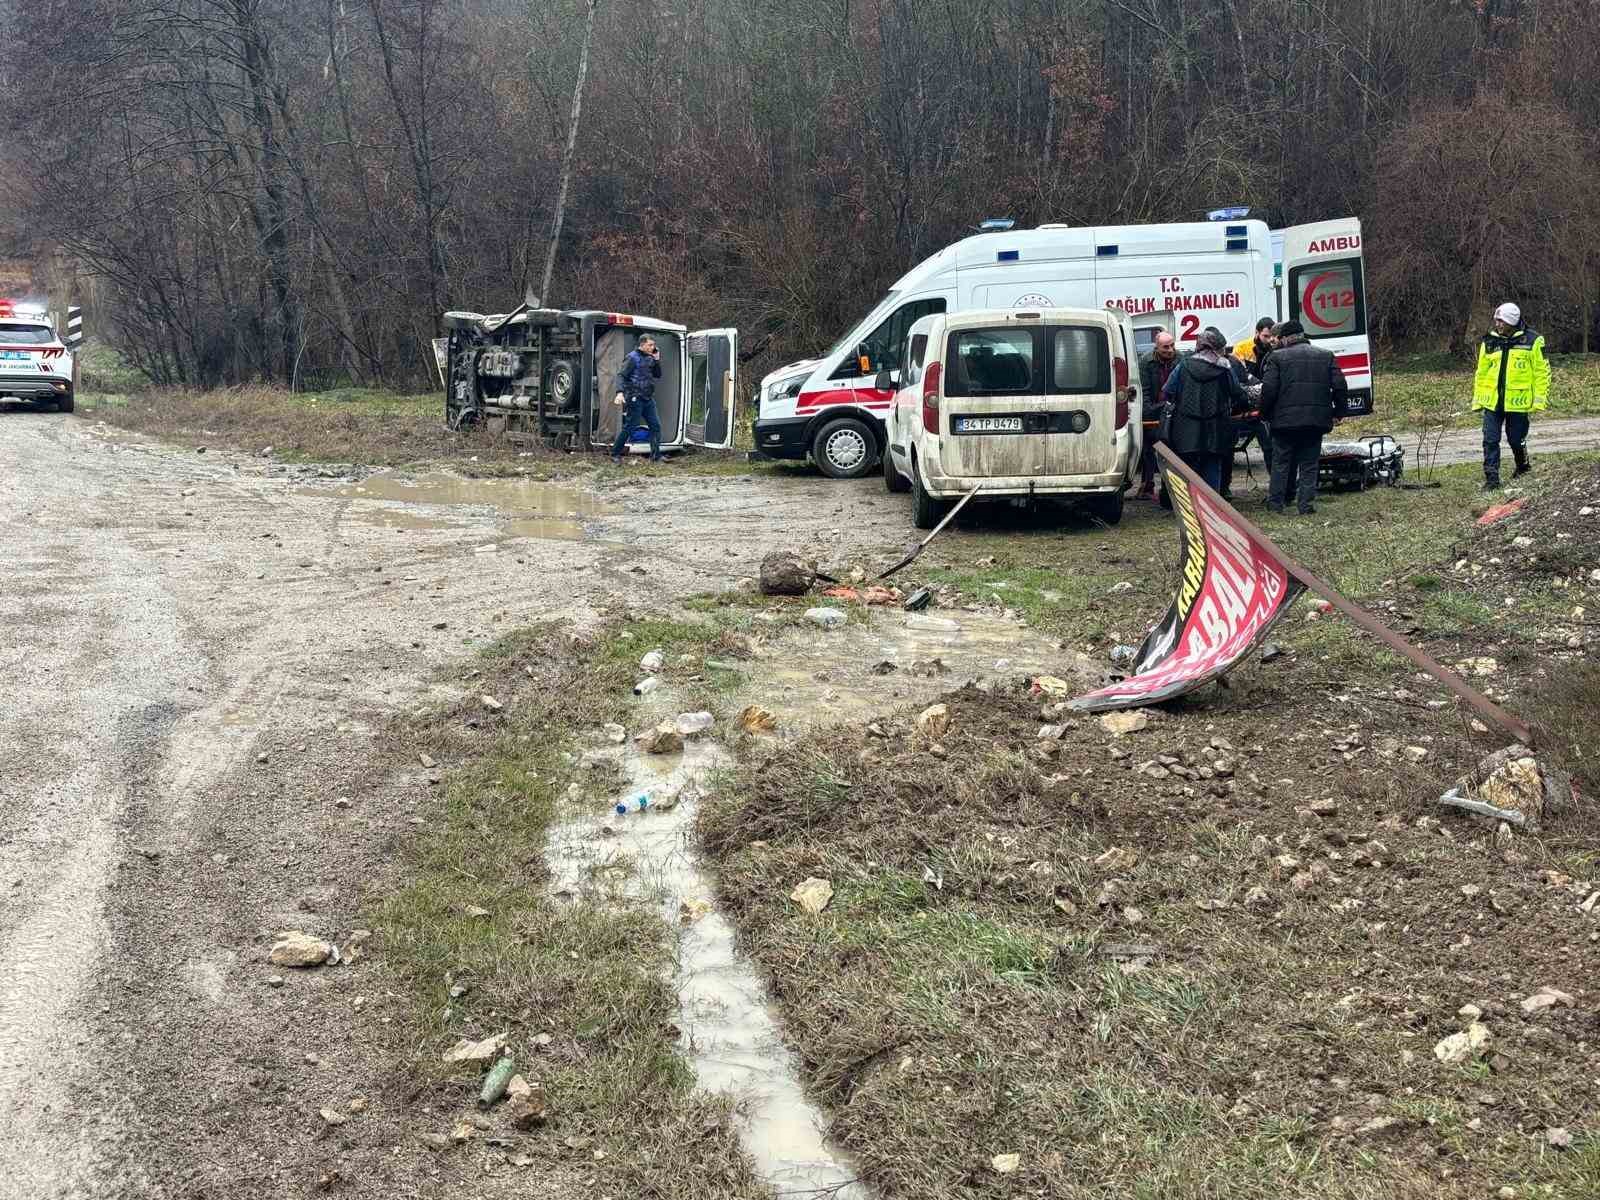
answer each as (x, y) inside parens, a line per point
(568, 155)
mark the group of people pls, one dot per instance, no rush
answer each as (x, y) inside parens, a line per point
(1299, 392)
(1297, 388)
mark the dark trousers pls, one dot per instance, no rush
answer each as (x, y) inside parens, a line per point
(1225, 474)
(1295, 453)
(1207, 466)
(641, 410)
(1147, 466)
(1515, 426)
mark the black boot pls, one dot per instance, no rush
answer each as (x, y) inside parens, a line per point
(1491, 483)
(1523, 465)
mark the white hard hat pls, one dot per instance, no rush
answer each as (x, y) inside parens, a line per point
(1509, 313)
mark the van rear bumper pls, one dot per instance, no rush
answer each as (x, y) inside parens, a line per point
(945, 486)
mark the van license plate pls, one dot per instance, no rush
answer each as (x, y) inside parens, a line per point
(988, 424)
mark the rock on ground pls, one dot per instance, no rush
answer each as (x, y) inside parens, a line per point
(787, 573)
(298, 949)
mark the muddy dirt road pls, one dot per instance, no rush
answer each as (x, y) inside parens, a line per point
(197, 650)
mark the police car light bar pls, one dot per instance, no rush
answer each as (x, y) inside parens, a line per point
(22, 310)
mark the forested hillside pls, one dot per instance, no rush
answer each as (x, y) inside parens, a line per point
(294, 189)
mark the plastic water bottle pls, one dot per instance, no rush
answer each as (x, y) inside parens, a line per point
(637, 802)
(646, 685)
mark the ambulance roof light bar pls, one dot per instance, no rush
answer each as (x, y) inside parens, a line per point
(996, 225)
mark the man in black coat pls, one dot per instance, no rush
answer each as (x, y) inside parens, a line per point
(1301, 395)
(1203, 394)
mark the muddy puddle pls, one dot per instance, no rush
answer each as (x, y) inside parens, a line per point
(729, 1037)
(523, 508)
(810, 677)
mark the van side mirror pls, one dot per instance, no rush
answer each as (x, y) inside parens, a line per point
(886, 381)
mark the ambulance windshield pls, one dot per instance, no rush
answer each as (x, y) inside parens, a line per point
(861, 328)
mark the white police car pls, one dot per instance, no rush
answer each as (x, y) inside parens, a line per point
(35, 365)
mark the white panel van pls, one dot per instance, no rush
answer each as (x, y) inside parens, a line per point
(1035, 402)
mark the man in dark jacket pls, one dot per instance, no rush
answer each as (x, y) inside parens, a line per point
(636, 394)
(1301, 395)
(1204, 393)
(1155, 368)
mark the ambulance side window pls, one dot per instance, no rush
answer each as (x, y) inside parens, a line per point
(884, 344)
(1328, 299)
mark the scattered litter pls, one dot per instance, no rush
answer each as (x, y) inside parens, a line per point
(1500, 512)
(918, 600)
(646, 685)
(1118, 589)
(490, 704)
(1049, 685)
(636, 802)
(755, 719)
(652, 661)
(427, 761)
(614, 733)
(812, 894)
(826, 618)
(1271, 651)
(695, 723)
(495, 1083)
(1123, 654)
(929, 875)
(1005, 1164)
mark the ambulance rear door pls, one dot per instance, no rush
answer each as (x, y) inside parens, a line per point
(1325, 290)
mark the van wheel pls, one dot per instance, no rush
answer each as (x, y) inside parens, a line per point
(926, 511)
(892, 479)
(66, 403)
(1106, 507)
(843, 449)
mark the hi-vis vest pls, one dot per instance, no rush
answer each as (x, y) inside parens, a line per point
(1515, 362)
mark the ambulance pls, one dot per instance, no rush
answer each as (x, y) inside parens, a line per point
(1181, 277)
(35, 366)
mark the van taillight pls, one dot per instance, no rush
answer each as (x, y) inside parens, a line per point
(930, 397)
(1121, 365)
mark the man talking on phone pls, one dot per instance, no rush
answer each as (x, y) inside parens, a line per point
(636, 396)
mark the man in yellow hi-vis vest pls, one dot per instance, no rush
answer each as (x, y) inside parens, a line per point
(1513, 380)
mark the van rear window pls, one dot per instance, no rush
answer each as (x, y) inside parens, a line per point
(990, 362)
(1080, 363)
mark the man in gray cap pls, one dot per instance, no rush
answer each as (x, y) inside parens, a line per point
(1512, 381)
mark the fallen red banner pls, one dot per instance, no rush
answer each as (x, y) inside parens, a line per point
(1236, 583)
(1233, 588)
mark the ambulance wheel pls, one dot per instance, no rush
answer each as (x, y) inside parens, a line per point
(843, 449)
(66, 404)
(562, 383)
(892, 479)
(926, 511)
(1107, 507)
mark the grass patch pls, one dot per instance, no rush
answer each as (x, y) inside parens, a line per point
(365, 427)
(1435, 390)
(978, 987)
(594, 978)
